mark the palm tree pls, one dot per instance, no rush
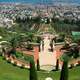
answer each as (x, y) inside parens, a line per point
(30, 39)
(13, 43)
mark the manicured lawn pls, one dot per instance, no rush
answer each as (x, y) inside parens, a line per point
(74, 74)
(10, 72)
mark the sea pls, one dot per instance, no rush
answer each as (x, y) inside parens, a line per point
(41, 1)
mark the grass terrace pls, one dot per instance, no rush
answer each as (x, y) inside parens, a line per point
(10, 72)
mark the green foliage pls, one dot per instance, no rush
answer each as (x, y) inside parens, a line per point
(19, 54)
(63, 27)
(28, 58)
(33, 73)
(37, 20)
(64, 71)
(38, 65)
(67, 21)
(65, 57)
(30, 36)
(57, 65)
(29, 46)
(14, 42)
(3, 31)
(25, 58)
(66, 46)
(61, 37)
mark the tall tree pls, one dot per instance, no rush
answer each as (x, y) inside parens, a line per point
(57, 65)
(65, 58)
(64, 71)
(33, 73)
(38, 65)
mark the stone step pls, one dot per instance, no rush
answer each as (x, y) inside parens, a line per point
(47, 60)
(47, 67)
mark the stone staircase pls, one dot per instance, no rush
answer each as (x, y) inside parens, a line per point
(47, 60)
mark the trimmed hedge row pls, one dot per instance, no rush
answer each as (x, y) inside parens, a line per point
(16, 63)
(71, 65)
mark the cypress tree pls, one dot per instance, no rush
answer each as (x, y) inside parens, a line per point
(57, 64)
(38, 66)
(64, 71)
(33, 73)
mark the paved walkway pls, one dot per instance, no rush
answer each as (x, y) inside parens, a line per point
(47, 59)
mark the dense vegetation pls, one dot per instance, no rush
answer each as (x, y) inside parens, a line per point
(36, 25)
